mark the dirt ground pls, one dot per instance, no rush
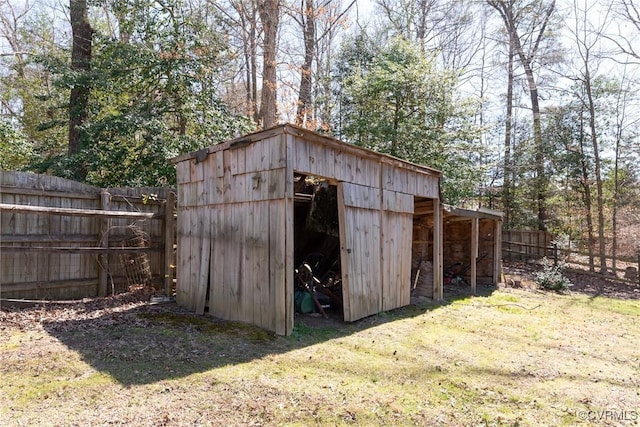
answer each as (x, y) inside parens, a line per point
(582, 282)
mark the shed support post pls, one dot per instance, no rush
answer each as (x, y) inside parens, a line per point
(474, 253)
(497, 252)
(638, 267)
(438, 292)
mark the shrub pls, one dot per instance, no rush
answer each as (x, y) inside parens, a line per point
(551, 277)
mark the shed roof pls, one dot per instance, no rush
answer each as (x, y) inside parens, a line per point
(485, 213)
(298, 131)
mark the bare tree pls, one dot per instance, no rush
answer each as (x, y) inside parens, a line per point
(318, 23)
(253, 26)
(587, 39)
(526, 45)
(448, 29)
(628, 11)
(250, 34)
(621, 123)
(10, 30)
(242, 24)
(328, 31)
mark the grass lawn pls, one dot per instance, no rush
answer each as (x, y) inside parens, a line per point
(510, 357)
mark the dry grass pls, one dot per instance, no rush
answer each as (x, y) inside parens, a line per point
(511, 357)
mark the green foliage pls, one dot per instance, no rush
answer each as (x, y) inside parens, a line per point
(551, 277)
(153, 96)
(14, 146)
(397, 102)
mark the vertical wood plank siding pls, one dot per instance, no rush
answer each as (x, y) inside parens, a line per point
(242, 205)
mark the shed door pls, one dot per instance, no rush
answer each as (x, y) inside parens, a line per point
(397, 239)
(360, 251)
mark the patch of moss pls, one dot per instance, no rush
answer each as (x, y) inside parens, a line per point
(212, 326)
(303, 332)
(300, 330)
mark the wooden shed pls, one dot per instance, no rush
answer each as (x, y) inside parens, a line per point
(254, 210)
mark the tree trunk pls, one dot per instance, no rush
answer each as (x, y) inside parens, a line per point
(597, 172)
(589, 216)
(616, 193)
(586, 185)
(540, 180)
(303, 113)
(508, 167)
(620, 119)
(269, 15)
(248, 20)
(325, 73)
(254, 81)
(247, 37)
(80, 64)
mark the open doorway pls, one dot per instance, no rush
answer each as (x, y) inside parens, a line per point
(317, 276)
(471, 250)
(422, 278)
(457, 255)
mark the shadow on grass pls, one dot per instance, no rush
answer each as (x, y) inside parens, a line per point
(151, 343)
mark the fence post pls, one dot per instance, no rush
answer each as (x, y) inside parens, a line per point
(103, 259)
(169, 241)
(555, 254)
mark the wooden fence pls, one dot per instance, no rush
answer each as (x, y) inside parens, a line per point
(533, 245)
(525, 245)
(61, 239)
